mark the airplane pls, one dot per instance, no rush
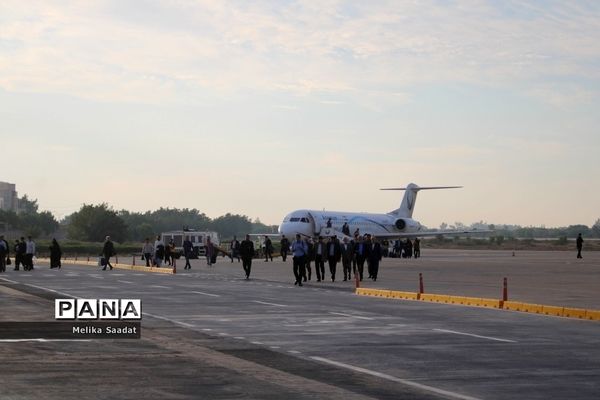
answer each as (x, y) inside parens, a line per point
(396, 224)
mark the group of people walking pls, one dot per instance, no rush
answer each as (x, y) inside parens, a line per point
(353, 254)
(407, 248)
(158, 254)
(25, 251)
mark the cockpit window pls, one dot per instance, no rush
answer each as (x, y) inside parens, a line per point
(304, 220)
(294, 219)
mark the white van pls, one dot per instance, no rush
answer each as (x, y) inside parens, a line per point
(197, 238)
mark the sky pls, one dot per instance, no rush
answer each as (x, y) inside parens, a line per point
(263, 107)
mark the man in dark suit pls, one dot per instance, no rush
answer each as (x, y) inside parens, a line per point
(320, 254)
(360, 250)
(247, 252)
(579, 243)
(334, 253)
(188, 250)
(347, 249)
(310, 256)
(268, 249)
(285, 247)
(3, 254)
(235, 249)
(108, 251)
(374, 257)
(368, 245)
(417, 248)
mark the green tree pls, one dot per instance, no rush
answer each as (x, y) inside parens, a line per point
(9, 218)
(92, 223)
(259, 227)
(28, 206)
(229, 225)
(36, 223)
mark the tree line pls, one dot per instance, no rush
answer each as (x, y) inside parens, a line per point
(29, 219)
(93, 222)
(532, 232)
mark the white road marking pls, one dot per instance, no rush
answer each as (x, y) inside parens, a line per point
(207, 294)
(52, 290)
(257, 343)
(8, 280)
(269, 304)
(184, 324)
(125, 281)
(352, 316)
(295, 352)
(477, 336)
(239, 338)
(274, 347)
(405, 382)
(207, 329)
(160, 287)
(43, 340)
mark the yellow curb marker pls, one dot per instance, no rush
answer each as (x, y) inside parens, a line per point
(168, 271)
(578, 313)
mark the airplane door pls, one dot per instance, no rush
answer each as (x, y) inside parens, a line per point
(314, 224)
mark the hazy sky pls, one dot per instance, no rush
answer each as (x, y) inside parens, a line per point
(263, 107)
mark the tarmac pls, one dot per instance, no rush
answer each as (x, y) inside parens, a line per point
(208, 333)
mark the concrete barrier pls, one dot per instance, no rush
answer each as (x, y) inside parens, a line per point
(394, 294)
(542, 309)
(490, 303)
(512, 306)
(532, 308)
(574, 313)
(168, 271)
(593, 315)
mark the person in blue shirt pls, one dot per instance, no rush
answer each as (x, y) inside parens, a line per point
(361, 255)
(299, 252)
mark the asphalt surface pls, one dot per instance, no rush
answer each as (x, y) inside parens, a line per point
(208, 333)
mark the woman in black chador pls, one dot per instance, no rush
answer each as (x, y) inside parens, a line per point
(55, 254)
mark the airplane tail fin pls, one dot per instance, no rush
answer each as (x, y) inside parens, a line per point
(410, 197)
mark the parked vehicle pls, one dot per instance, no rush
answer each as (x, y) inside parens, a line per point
(197, 238)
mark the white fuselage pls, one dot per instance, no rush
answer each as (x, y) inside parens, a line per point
(312, 223)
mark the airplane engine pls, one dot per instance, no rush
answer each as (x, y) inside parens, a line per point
(407, 224)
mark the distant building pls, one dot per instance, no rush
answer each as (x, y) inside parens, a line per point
(8, 197)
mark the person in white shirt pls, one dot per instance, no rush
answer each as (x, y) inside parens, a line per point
(147, 251)
(159, 252)
(29, 253)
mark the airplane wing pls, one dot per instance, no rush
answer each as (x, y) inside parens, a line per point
(399, 235)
